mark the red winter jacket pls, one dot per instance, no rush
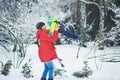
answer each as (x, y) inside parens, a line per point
(46, 50)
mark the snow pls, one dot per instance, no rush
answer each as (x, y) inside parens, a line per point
(106, 70)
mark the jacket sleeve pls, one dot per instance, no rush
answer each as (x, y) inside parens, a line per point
(37, 34)
(44, 36)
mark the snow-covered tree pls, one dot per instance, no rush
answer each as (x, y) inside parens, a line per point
(18, 20)
(114, 33)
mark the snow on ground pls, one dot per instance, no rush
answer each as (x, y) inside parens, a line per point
(106, 70)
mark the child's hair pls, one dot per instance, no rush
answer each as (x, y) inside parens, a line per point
(39, 25)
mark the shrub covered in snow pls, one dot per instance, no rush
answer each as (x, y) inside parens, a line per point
(27, 70)
(86, 72)
(59, 72)
(5, 70)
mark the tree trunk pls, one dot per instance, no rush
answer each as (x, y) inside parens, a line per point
(83, 20)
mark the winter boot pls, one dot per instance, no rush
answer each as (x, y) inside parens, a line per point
(43, 79)
(50, 79)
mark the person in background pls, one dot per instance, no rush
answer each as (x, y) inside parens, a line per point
(46, 50)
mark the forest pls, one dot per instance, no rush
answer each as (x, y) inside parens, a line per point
(96, 22)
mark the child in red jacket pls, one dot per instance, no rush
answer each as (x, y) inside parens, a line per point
(46, 49)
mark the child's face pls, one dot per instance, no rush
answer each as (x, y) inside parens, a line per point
(44, 27)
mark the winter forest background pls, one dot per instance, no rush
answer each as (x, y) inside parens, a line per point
(96, 21)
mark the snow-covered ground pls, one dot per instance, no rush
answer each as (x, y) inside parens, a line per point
(106, 70)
